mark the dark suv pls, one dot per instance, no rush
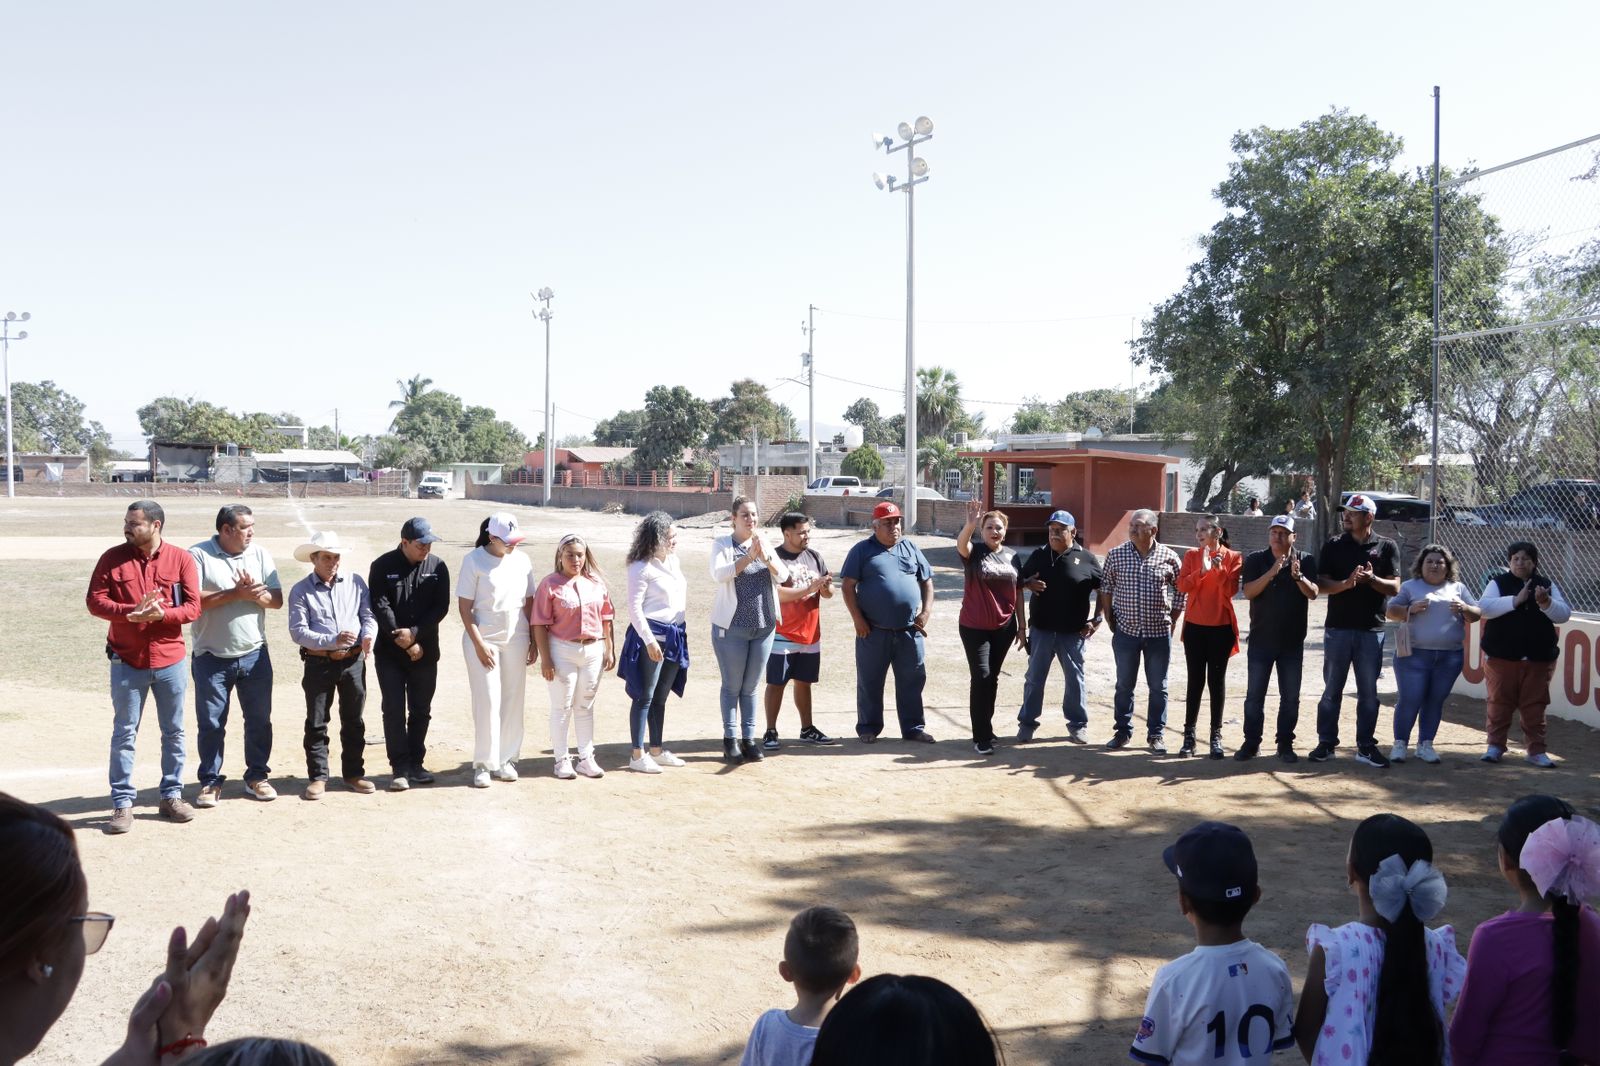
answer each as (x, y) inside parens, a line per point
(1565, 503)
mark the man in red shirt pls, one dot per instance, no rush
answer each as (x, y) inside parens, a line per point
(148, 591)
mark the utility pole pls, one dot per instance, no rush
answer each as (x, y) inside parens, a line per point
(544, 296)
(810, 330)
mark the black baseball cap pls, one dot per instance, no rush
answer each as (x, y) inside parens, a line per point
(1213, 861)
(418, 529)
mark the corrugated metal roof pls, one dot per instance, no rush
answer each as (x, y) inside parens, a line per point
(309, 456)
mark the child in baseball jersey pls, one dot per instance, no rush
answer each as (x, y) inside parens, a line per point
(1377, 988)
(819, 959)
(1229, 1000)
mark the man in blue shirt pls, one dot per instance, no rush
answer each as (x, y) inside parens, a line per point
(888, 590)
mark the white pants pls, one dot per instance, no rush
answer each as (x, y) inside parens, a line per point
(497, 701)
(572, 693)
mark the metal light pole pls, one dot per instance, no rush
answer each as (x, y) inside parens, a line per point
(809, 357)
(5, 369)
(911, 135)
(544, 296)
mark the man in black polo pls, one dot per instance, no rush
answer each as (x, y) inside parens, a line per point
(1280, 584)
(410, 597)
(1063, 578)
(1359, 571)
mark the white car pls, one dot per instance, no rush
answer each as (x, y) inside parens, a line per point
(838, 485)
(433, 486)
(899, 492)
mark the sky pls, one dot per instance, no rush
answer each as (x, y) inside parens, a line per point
(292, 206)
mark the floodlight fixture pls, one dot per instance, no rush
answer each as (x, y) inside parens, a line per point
(904, 130)
(919, 167)
(924, 126)
(877, 179)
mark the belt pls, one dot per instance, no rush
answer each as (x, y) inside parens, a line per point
(336, 656)
(580, 640)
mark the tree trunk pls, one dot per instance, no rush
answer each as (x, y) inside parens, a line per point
(1202, 487)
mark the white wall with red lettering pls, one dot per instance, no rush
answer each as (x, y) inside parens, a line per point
(1574, 691)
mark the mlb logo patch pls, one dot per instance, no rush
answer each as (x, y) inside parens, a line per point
(1238, 969)
(1147, 1028)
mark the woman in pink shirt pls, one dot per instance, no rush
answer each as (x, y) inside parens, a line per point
(571, 618)
(1533, 973)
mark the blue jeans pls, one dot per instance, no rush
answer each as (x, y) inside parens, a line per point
(1425, 678)
(1341, 650)
(876, 653)
(741, 657)
(214, 678)
(1260, 660)
(651, 709)
(1157, 652)
(1046, 646)
(129, 687)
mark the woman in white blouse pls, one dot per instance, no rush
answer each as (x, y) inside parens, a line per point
(744, 618)
(655, 652)
(493, 591)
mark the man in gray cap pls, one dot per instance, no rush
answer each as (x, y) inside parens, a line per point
(1062, 614)
(410, 589)
(1280, 582)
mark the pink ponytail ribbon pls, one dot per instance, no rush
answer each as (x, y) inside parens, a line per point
(1563, 856)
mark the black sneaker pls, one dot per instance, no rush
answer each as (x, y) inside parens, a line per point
(1370, 755)
(983, 747)
(1247, 751)
(419, 776)
(770, 740)
(812, 735)
(1025, 733)
(1157, 746)
(1119, 740)
(1286, 754)
(1075, 735)
(1321, 753)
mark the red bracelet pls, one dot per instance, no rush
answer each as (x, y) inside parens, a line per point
(189, 1040)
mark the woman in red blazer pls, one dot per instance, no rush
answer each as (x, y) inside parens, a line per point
(1210, 578)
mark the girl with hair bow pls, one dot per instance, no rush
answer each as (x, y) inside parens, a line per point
(1530, 970)
(1376, 988)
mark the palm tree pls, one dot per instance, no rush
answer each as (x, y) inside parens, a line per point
(938, 401)
(410, 392)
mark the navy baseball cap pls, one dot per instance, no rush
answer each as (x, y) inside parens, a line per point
(1062, 518)
(1213, 861)
(419, 529)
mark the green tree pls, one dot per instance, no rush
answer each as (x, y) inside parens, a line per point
(410, 392)
(874, 427)
(938, 401)
(171, 418)
(674, 419)
(487, 439)
(47, 418)
(747, 408)
(625, 429)
(1310, 309)
(865, 463)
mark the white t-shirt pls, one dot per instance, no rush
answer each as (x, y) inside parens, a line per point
(1227, 1004)
(776, 1041)
(656, 589)
(497, 588)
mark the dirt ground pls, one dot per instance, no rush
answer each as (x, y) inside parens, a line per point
(640, 919)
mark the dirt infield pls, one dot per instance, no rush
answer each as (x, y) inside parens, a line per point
(639, 919)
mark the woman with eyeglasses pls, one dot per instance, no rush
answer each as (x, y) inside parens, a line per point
(47, 931)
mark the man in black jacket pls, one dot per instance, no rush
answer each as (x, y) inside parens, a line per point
(1063, 578)
(410, 596)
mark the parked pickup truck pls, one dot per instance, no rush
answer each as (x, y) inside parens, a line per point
(433, 486)
(838, 485)
(1565, 503)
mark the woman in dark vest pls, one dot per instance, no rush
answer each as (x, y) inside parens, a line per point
(1521, 609)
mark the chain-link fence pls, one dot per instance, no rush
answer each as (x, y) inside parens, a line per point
(1518, 350)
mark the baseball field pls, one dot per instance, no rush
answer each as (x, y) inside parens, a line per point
(640, 919)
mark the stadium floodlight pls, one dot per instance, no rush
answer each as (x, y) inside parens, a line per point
(904, 130)
(877, 179)
(919, 168)
(5, 373)
(924, 126)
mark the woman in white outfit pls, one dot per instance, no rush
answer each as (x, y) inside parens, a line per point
(744, 618)
(571, 616)
(493, 593)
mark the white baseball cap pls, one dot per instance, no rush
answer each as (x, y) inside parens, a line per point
(503, 524)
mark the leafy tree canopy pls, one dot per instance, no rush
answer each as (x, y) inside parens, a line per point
(865, 463)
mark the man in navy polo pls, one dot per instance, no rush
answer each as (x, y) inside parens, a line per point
(888, 590)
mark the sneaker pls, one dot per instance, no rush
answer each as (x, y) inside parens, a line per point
(506, 772)
(208, 796)
(1119, 740)
(314, 789)
(1370, 755)
(644, 764)
(1398, 752)
(121, 821)
(1075, 735)
(1286, 754)
(1426, 753)
(564, 770)
(1025, 733)
(1157, 746)
(1321, 753)
(398, 783)
(589, 768)
(666, 758)
(175, 809)
(922, 736)
(1247, 751)
(769, 740)
(983, 747)
(867, 738)
(1491, 754)
(812, 735)
(261, 790)
(419, 776)
(1543, 761)
(480, 778)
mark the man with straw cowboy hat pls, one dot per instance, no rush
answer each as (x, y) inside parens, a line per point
(330, 617)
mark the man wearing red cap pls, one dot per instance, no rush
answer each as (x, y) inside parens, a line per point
(888, 589)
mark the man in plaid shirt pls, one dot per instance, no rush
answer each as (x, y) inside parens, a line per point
(1140, 600)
